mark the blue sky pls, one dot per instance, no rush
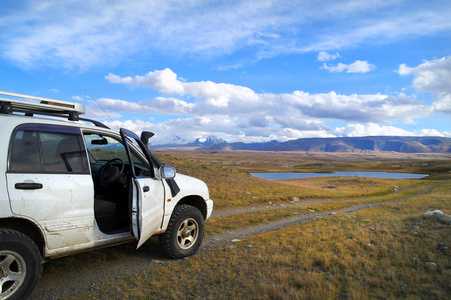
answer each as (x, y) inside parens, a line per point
(241, 70)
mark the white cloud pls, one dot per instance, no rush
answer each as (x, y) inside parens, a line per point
(324, 56)
(361, 108)
(372, 129)
(428, 132)
(219, 95)
(136, 126)
(433, 77)
(232, 110)
(402, 21)
(358, 66)
(228, 99)
(430, 76)
(158, 105)
(84, 33)
(163, 80)
(78, 98)
(94, 112)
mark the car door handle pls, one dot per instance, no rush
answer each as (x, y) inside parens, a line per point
(28, 186)
(146, 189)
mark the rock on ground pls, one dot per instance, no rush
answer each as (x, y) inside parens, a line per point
(439, 215)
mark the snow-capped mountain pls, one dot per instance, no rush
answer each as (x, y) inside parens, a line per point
(167, 139)
(203, 142)
(172, 140)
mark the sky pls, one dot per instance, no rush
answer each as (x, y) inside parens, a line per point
(249, 71)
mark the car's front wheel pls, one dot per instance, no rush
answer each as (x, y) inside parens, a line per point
(185, 232)
(20, 265)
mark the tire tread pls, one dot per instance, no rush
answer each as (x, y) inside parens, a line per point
(13, 236)
(165, 239)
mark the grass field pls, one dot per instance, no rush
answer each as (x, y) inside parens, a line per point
(225, 172)
(384, 252)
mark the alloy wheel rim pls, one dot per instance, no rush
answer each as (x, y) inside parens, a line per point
(12, 271)
(187, 233)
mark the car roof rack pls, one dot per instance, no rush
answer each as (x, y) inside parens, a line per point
(38, 105)
(96, 123)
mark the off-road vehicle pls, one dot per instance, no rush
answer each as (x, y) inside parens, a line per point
(68, 184)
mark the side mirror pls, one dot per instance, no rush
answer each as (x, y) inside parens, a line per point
(145, 136)
(167, 172)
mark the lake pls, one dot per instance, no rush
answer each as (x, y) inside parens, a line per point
(359, 174)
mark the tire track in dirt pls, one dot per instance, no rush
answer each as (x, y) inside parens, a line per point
(216, 240)
(64, 284)
(227, 212)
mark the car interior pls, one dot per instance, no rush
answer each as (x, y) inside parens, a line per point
(112, 177)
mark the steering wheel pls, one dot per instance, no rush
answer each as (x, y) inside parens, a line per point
(109, 173)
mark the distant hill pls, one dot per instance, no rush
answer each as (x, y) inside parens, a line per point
(239, 146)
(347, 144)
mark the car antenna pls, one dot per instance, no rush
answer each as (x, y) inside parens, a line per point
(101, 108)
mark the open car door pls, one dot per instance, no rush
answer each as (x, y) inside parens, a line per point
(148, 194)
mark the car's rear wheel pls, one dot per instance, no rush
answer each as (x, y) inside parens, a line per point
(20, 265)
(185, 232)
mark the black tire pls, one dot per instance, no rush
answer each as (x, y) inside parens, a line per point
(185, 232)
(20, 265)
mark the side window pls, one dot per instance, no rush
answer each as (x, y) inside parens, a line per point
(47, 149)
(61, 153)
(102, 148)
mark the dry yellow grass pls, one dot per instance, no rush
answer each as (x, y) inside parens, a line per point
(340, 187)
(270, 214)
(381, 252)
(230, 185)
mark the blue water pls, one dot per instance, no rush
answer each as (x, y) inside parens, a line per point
(359, 174)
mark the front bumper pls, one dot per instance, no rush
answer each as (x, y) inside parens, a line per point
(209, 203)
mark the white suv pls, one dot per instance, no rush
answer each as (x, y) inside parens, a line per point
(67, 186)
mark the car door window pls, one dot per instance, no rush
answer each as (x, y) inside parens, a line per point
(47, 149)
(61, 153)
(103, 148)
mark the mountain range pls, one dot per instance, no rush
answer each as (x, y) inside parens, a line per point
(174, 141)
(401, 144)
